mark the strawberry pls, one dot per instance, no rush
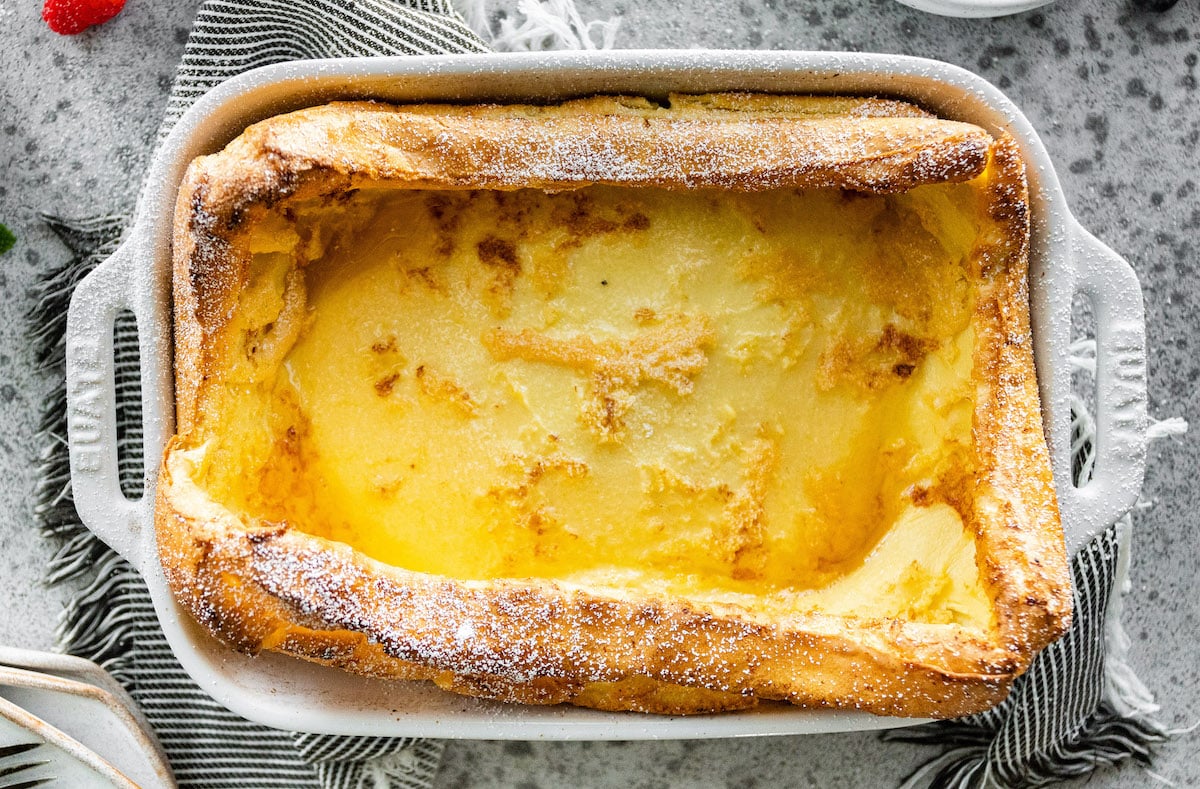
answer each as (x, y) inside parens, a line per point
(69, 17)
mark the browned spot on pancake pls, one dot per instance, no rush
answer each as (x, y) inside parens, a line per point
(581, 217)
(283, 478)
(338, 198)
(500, 256)
(425, 276)
(910, 348)
(745, 514)
(893, 355)
(671, 353)
(439, 206)
(446, 389)
(637, 221)
(604, 413)
(384, 346)
(446, 217)
(498, 252)
(513, 208)
(582, 220)
(526, 504)
(539, 522)
(556, 462)
(953, 486)
(384, 386)
(920, 495)
(788, 277)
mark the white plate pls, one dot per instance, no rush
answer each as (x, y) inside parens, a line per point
(73, 668)
(109, 724)
(59, 757)
(289, 694)
(975, 8)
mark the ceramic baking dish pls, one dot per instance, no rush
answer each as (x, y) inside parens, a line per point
(283, 692)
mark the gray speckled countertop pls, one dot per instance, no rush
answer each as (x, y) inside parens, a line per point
(1112, 91)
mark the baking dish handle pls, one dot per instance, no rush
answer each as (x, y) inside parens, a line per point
(91, 406)
(1121, 422)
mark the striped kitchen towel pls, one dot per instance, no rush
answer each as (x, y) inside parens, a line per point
(1078, 708)
(112, 620)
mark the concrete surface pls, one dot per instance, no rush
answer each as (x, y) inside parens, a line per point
(1112, 91)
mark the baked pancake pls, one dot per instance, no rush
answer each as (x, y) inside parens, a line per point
(672, 408)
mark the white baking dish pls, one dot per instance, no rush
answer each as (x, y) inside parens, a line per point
(290, 694)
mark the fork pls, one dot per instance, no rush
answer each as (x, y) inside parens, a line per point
(9, 767)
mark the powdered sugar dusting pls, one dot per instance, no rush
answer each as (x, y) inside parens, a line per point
(703, 153)
(511, 630)
(622, 141)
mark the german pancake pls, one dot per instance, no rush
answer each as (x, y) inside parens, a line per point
(672, 406)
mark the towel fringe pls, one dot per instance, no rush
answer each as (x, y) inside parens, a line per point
(546, 24)
(1107, 738)
(1122, 727)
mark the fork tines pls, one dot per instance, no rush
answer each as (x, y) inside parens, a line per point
(6, 771)
(13, 750)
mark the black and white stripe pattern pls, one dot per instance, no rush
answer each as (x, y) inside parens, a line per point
(1059, 722)
(233, 36)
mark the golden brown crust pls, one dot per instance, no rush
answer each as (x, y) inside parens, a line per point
(265, 586)
(342, 146)
(1017, 483)
(272, 588)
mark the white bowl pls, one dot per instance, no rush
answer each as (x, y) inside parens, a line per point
(290, 694)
